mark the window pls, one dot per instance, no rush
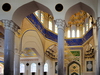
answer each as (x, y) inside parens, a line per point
(1, 68)
(83, 30)
(86, 26)
(22, 68)
(33, 67)
(90, 20)
(42, 17)
(73, 33)
(37, 13)
(68, 33)
(56, 29)
(77, 33)
(50, 25)
(46, 67)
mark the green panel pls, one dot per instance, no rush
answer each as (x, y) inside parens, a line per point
(75, 53)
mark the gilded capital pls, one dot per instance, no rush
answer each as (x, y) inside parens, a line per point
(60, 23)
(8, 24)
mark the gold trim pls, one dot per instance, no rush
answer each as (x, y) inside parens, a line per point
(73, 46)
(87, 40)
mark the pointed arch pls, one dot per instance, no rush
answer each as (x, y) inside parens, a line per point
(33, 42)
(27, 9)
(75, 63)
(77, 7)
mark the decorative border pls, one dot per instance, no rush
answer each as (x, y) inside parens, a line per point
(46, 33)
(79, 41)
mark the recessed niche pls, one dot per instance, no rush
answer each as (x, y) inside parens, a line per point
(6, 7)
(59, 7)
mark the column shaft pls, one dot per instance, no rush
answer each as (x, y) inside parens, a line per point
(10, 27)
(98, 51)
(60, 25)
(60, 52)
(8, 52)
(17, 64)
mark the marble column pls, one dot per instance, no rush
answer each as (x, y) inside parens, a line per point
(98, 52)
(17, 62)
(60, 25)
(10, 27)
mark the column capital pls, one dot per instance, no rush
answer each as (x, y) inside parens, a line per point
(8, 24)
(98, 22)
(60, 23)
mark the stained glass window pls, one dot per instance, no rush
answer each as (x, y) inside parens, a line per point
(22, 68)
(33, 67)
(46, 67)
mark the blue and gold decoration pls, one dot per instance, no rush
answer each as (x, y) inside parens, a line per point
(49, 35)
(79, 41)
(44, 31)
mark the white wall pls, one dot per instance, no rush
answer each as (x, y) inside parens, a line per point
(49, 3)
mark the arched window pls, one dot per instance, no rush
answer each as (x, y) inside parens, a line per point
(78, 33)
(46, 67)
(1, 68)
(33, 67)
(83, 30)
(50, 25)
(56, 29)
(22, 68)
(90, 22)
(87, 27)
(37, 13)
(73, 33)
(68, 33)
(42, 17)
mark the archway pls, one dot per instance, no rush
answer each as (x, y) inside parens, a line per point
(27, 9)
(77, 7)
(74, 68)
(31, 40)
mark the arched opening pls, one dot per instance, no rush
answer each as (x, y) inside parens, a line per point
(74, 68)
(32, 50)
(27, 9)
(77, 7)
(79, 19)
